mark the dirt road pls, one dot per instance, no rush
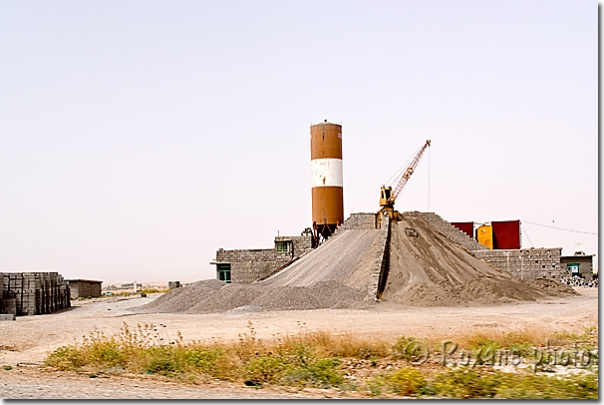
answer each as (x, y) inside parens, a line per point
(24, 343)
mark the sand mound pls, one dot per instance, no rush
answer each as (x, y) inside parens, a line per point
(428, 269)
(553, 287)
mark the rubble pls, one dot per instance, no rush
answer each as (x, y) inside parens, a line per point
(577, 281)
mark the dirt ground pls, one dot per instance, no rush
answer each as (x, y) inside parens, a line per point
(24, 343)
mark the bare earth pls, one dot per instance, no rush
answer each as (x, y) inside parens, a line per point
(25, 342)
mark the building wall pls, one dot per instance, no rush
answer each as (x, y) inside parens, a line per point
(33, 293)
(251, 264)
(526, 264)
(248, 265)
(585, 264)
(360, 220)
(84, 289)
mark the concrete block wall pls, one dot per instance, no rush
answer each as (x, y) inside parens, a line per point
(360, 220)
(251, 264)
(300, 245)
(526, 264)
(248, 265)
(85, 288)
(33, 293)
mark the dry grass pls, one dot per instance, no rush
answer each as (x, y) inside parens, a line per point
(317, 359)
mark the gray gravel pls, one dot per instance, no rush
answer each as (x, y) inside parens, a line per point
(335, 275)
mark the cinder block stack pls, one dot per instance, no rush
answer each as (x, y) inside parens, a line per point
(359, 220)
(33, 293)
(526, 264)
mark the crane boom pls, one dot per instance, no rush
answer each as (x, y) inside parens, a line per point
(408, 172)
(388, 197)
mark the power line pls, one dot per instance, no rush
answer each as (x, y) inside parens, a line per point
(526, 234)
(400, 171)
(560, 229)
(429, 161)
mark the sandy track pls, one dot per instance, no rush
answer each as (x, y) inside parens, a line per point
(31, 338)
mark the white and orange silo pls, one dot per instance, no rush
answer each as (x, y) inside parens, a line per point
(327, 177)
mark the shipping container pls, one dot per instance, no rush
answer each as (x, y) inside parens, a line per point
(506, 234)
(465, 227)
(484, 235)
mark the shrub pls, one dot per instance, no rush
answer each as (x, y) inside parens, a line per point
(204, 360)
(265, 369)
(404, 348)
(407, 381)
(163, 366)
(466, 383)
(474, 384)
(536, 386)
(66, 358)
(321, 373)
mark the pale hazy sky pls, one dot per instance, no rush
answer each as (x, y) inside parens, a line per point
(138, 137)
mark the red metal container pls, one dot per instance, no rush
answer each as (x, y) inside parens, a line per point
(466, 227)
(506, 234)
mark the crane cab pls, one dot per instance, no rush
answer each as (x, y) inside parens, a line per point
(386, 193)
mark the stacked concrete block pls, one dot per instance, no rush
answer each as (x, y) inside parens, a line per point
(526, 264)
(296, 245)
(33, 293)
(301, 244)
(85, 288)
(447, 229)
(360, 220)
(250, 265)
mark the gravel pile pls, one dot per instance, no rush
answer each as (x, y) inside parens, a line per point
(577, 281)
(335, 275)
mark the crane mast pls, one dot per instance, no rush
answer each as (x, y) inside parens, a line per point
(388, 197)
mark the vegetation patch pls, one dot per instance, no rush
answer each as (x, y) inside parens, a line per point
(323, 360)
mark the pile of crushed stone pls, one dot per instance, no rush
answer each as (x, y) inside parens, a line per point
(335, 275)
(204, 297)
(426, 269)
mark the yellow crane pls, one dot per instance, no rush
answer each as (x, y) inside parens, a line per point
(388, 196)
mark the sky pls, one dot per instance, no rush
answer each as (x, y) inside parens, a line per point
(138, 137)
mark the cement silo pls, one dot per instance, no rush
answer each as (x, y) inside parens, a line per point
(327, 179)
